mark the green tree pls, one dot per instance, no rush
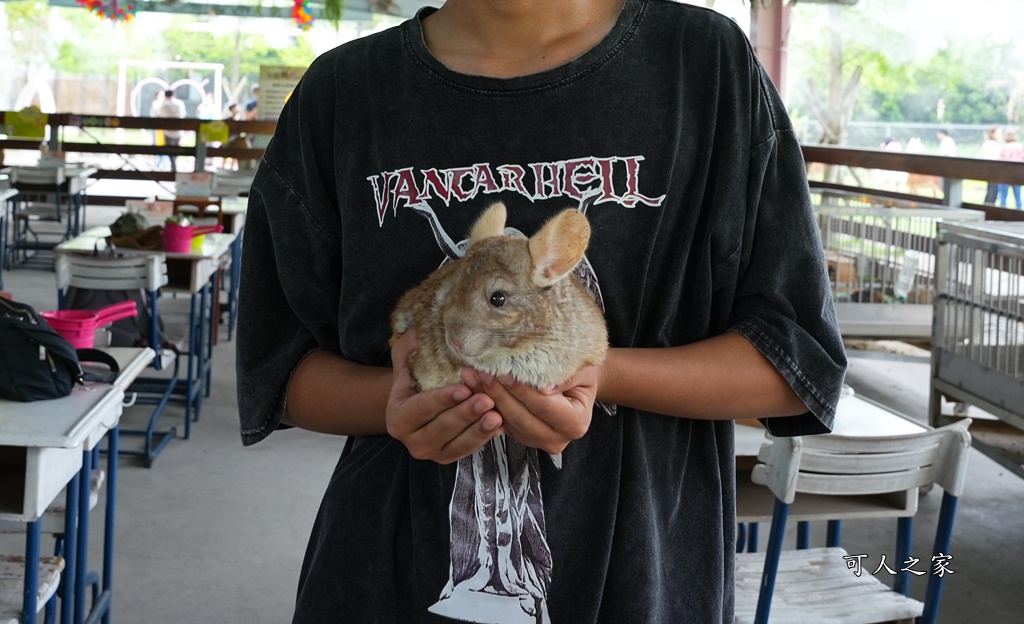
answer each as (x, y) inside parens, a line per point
(254, 50)
(28, 26)
(80, 54)
(904, 73)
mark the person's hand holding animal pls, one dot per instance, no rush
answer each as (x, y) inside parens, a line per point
(547, 418)
(444, 424)
(510, 321)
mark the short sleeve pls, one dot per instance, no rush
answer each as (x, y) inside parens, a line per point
(289, 290)
(783, 301)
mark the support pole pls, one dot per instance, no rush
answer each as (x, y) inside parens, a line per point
(769, 31)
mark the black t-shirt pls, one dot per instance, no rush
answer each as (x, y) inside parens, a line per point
(674, 139)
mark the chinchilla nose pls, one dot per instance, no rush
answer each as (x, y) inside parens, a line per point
(455, 343)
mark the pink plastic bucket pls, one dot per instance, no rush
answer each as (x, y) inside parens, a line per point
(79, 326)
(178, 239)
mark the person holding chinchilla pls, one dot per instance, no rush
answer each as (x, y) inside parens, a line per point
(479, 480)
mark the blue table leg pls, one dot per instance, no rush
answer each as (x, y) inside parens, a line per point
(214, 287)
(102, 604)
(29, 604)
(191, 368)
(803, 535)
(204, 293)
(3, 245)
(904, 539)
(82, 557)
(67, 580)
(832, 533)
(236, 272)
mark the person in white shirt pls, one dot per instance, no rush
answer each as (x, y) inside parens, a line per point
(172, 108)
(947, 146)
(990, 149)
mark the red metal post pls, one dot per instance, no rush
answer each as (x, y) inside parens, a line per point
(769, 31)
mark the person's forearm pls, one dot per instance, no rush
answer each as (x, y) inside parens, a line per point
(720, 378)
(330, 394)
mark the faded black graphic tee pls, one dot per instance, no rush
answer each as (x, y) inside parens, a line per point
(672, 139)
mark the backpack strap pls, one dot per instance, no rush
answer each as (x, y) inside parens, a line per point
(99, 357)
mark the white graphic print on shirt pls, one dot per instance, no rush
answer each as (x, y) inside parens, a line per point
(500, 566)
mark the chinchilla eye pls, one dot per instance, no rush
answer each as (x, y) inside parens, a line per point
(498, 299)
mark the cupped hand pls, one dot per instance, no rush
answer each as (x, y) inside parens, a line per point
(442, 425)
(545, 418)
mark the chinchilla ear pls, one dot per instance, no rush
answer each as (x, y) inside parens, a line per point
(559, 246)
(491, 223)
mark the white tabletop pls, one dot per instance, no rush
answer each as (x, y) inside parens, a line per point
(214, 245)
(60, 423)
(68, 421)
(7, 193)
(131, 360)
(79, 171)
(855, 416)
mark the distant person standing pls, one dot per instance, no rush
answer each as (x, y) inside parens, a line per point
(158, 134)
(947, 146)
(252, 106)
(1014, 151)
(207, 109)
(990, 149)
(891, 180)
(233, 113)
(172, 108)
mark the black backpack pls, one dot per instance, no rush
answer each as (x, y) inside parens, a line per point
(37, 363)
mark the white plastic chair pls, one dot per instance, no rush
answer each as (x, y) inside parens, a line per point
(149, 273)
(819, 585)
(12, 573)
(228, 182)
(12, 580)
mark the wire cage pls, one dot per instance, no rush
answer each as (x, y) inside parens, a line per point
(881, 262)
(978, 338)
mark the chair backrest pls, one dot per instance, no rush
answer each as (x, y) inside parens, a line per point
(148, 272)
(88, 282)
(198, 205)
(232, 182)
(50, 176)
(847, 465)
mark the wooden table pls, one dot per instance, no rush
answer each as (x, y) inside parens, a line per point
(45, 446)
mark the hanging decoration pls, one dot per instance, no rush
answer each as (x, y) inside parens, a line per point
(112, 10)
(300, 13)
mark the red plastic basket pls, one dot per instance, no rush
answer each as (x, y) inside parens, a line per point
(79, 326)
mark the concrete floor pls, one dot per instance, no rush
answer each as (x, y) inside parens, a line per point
(215, 532)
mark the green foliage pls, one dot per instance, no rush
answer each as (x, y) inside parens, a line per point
(905, 72)
(93, 46)
(333, 10)
(79, 54)
(27, 25)
(255, 50)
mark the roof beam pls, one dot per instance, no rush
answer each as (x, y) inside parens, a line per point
(236, 10)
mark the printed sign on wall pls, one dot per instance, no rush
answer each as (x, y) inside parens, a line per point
(276, 86)
(28, 123)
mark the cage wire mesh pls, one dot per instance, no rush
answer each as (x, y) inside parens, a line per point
(979, 312)
(881, 262)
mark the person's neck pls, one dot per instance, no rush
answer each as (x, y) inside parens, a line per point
(508, 38)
